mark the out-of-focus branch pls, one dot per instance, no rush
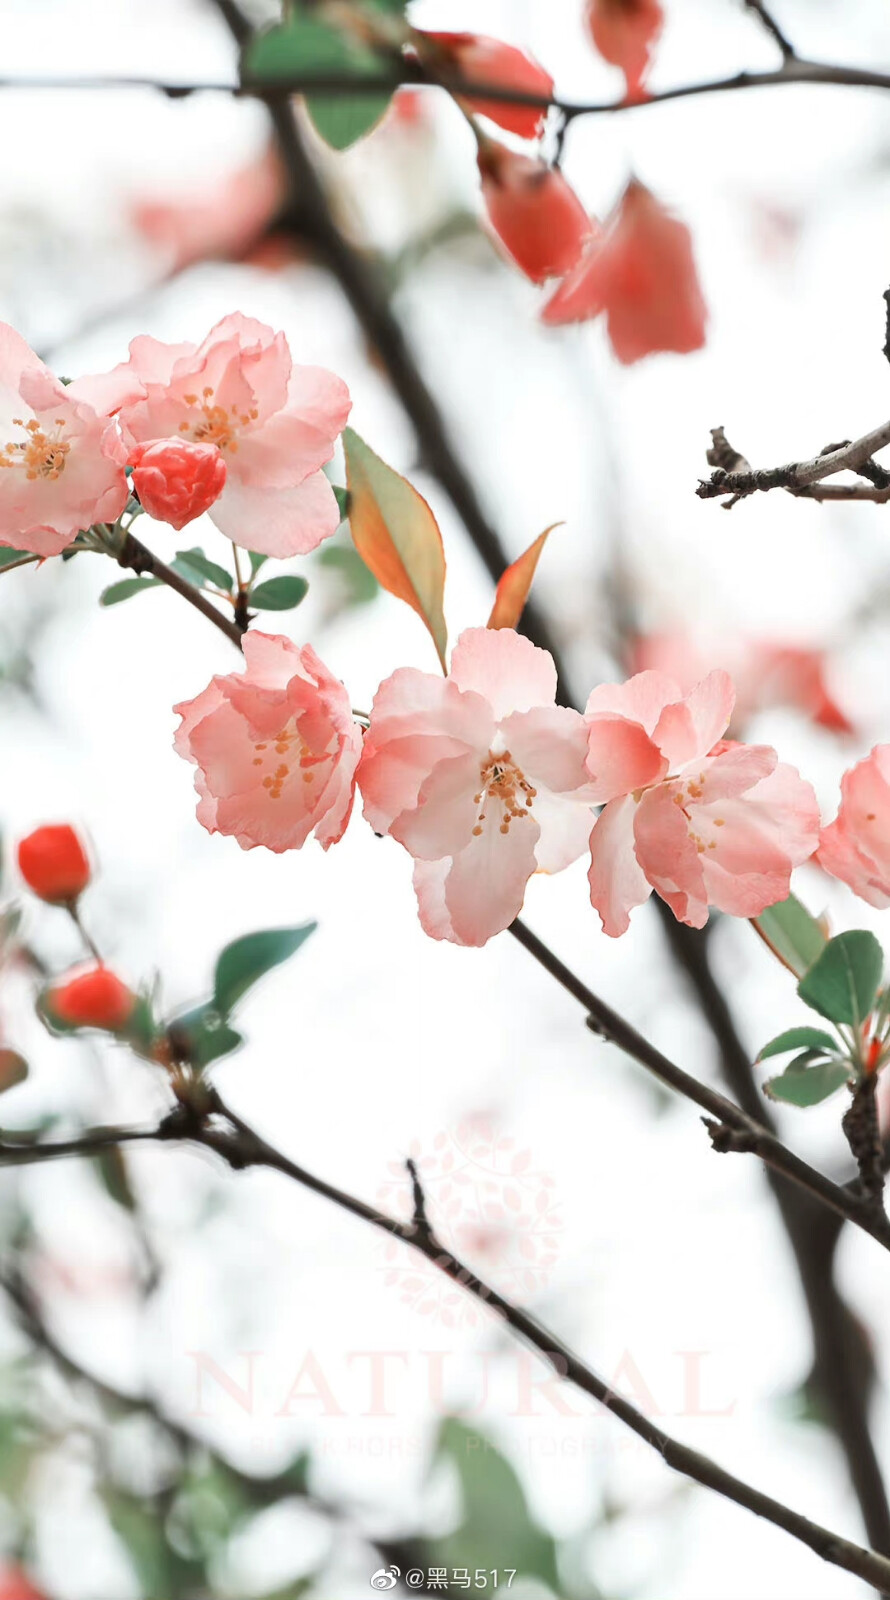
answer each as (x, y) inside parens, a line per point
(220, 1129)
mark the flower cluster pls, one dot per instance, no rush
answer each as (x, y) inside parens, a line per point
(231, 426)
(484, 780)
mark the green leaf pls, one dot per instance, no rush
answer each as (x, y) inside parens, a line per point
(256, 561)
(792, 934)
(356, 579)
(246, 960)
(843, 982)
(13, 1069)
(397, 536)
(497, 1528)
(6, 556)
(805, 1082)
(342, 497)
(279, 594)
(799, 1039)
(201, 566)
(344, 119)
(111, 1167)
(127, 589)
(204, 1036)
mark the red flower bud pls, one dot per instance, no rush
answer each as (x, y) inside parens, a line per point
(474, 55)
(625, 33)
(53, 863)
(539, 220)
(177, 480)
(92, 998)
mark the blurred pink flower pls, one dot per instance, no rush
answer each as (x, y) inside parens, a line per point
(534, 213)
(275, 423)
(220, 220)
(641, 273)
(61, 465)
(481, 777)
(476, 56)
(177, 481)
(15, 1585)
(856, 846)
(701, 822)
(765, 673)
(276, 748)
(625, 33)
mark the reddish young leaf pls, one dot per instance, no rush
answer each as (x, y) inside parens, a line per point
(397, 536)
(625, 33)
(476, 56)
(514, 585)
(535, 214)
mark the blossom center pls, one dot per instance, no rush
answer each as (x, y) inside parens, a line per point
(283, 755)
(41, 454)
(685, 793)
(501, 780)
(212, 423)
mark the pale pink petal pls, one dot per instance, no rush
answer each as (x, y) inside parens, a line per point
(410, 702)
(751, 840)
(641, 699)
(506, 668)
(153, 361)
(840, 855)
(617, 882)
(299, 439)
(621, 757)
(391, 774)
(272, 660)
(688, 729)
(446, 812)
(278, 522)
(429, 886)
(194, 711)
(669, 855)
(485, 886)
(549, 745)
(736, 769)
(856, 846)
(565, 824)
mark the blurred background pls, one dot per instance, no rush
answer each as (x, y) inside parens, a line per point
(217, 1385)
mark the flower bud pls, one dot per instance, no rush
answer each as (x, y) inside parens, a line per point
(536, 215)
(53, 863)
(475, 55)
(91, 998)
(625, 33)
(177, 480)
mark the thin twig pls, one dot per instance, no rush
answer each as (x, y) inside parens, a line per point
(772, 27)
(799, 477)
(138, 558)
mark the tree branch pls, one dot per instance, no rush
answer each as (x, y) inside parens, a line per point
(800, 477)
(136, 556)
(772, 28)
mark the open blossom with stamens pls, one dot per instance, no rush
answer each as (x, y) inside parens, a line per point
(276, 748)
(61, 463)
(700, 820)
(855, 847)
(274, 423)
(481, 777)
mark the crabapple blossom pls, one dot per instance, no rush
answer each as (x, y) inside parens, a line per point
(92, 998)
(54, 864)
(641, 273)
(856, 846)
(176, 480)
(625, 33)
(700, 820)
(481, 777)
(61, 462)
(474, 55)
(534, 213)
(275, 423)
(276, 748)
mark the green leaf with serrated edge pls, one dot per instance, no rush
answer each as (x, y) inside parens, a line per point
(806, 1082)
(208, 569)
(256, 560)
(13, 1069)
(127, 589)
(246, 960)
(279, 594)
(793, 935)
(397, 536)
(799, 1039)
(843, 982)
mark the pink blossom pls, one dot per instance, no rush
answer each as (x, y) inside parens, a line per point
(475, 55)
(856, 846)
(641, 273)
(700, 821)
(177, 481)
(765, 672)
(221, 220)
(61, 464)
(534, 213)
(275, 423)
(625, 33)
(480, 777)
(276, 748)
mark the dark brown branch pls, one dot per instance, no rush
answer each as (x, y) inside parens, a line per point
(240, 1147)
(802, 477)
(772, 28)
(860, 1124)
(135, 556)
